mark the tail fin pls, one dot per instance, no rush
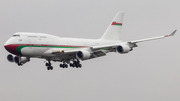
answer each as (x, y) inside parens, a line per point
(114, 29)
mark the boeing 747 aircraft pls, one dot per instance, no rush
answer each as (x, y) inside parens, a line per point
(24, 45)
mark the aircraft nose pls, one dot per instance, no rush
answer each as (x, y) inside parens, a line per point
(8, 47)
(12, 49)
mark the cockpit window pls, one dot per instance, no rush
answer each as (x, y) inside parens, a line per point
(16, 35)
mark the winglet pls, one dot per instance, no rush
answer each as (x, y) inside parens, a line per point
(172, 34)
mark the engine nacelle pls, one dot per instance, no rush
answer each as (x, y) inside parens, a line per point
(17, 59)
(10, 58)
(83, 54)
(123, 49)
(21, 60)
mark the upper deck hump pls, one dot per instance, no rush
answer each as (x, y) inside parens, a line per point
(35, 34)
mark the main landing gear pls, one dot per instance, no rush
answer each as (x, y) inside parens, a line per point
(48, 65)
(72, 63)
(76, 63)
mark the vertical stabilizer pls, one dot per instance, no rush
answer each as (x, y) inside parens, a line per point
(114, 29)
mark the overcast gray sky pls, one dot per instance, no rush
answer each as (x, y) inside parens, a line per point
(149, 73)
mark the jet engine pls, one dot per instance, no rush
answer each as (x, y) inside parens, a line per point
(83, 54)
(123, 49)
(10, 58)
(17, 60)
(21, 60)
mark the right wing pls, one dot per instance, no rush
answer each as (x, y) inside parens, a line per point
(131, 44)
(89, 52)
(154, 38)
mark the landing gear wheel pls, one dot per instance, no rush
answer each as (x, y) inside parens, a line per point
(80, 65)
(51, 67)
(77, 65)
(71, 65)
(65, 66)
(60, 65)
(47, 64)
(48, 68)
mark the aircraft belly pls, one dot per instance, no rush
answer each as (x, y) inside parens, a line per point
(60, 55)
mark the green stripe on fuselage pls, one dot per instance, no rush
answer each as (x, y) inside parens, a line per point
(20, 47)
(23, 46)
(118, 24)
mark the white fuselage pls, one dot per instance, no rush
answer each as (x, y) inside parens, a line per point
(38, 44)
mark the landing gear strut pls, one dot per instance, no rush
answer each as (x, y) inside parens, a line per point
(48, 65)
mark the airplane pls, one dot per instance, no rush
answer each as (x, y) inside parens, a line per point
(70, 51)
